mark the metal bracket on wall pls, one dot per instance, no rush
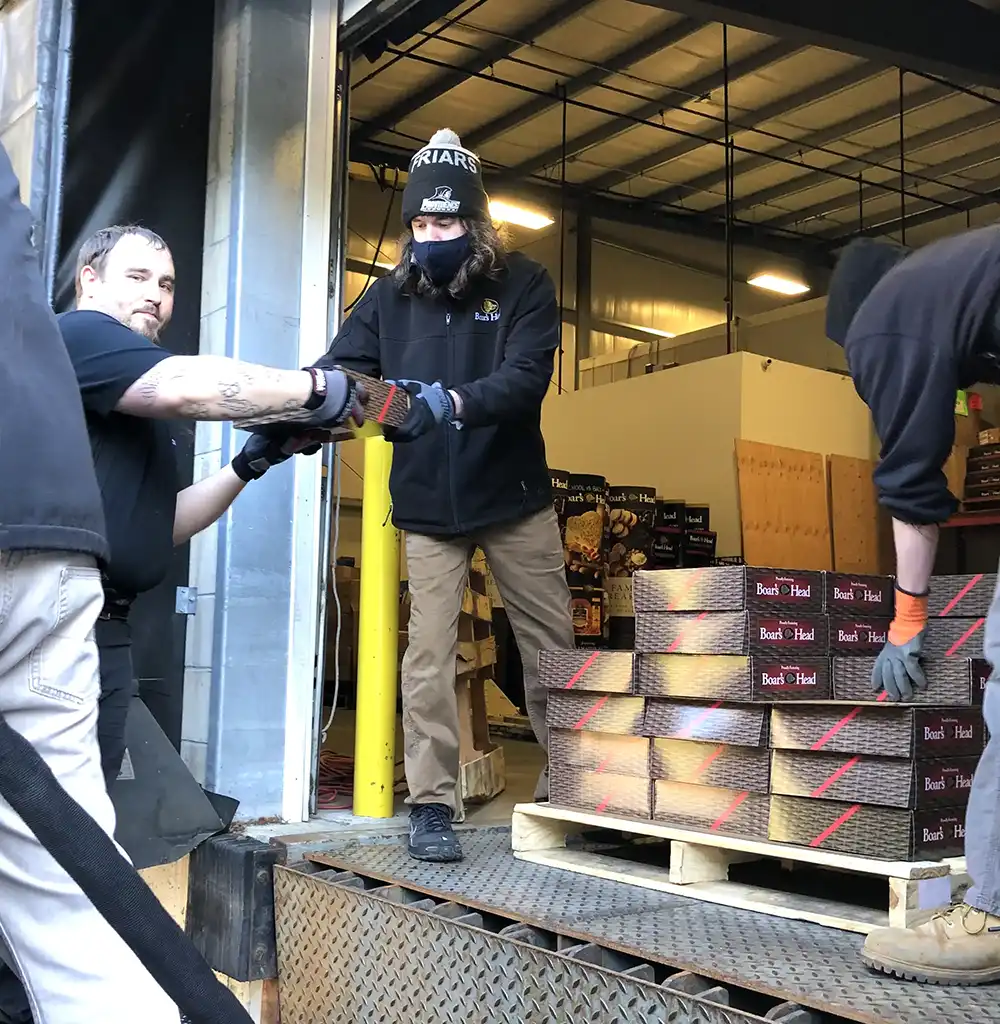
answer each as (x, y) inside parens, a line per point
(186, 601)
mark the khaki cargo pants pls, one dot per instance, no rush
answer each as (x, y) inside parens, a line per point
(526, 559)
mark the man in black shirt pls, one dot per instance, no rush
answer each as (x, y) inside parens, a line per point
(51, 538)
(129, 388)
(125, 292)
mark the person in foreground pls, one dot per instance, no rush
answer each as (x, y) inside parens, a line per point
(470, 331)
(916, 327)
(129, 386)
(74, 965)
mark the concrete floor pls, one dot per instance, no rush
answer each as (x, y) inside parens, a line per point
(523, 762)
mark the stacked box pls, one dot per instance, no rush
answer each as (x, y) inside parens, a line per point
(710, 766)
(598, 756)
(953, 682)
(771, 635)
(631, 523)
(732, 677)
(961, 596)
(883, 782)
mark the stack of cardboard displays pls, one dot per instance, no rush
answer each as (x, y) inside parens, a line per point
(747, 708)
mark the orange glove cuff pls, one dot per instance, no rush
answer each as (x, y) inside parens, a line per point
(911, 618)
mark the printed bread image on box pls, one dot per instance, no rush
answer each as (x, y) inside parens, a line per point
(953, 637)
(950, 681)
(623, 716)
(764, 633)
(729, 588)
(885, 781)
(849, 595)
(726, 811)
(586, 523)
(882, 833)
(623, 796)
(858, 636)
(745, 726)
(888, 731)
(732, 677)
(723, 765)
(590, 671)
(961, 596)
(600, 752)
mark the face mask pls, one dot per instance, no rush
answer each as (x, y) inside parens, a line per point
(441, 260)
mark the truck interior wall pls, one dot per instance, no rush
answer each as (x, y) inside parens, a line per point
(137, 151)
(676, 429)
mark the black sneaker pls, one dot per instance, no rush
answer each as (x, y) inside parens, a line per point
(431, 836)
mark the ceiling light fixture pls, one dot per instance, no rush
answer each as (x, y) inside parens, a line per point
(778, 283)
(508, 213)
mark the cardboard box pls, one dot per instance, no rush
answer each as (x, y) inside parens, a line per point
(707, 809)
(711, 764)
(952, 637)
(885, 781)
(850, 595)
(742, 726)
(623, 796)
(880, 833)
(587, 609)
(729, 588)
(858, 637)
(990, 436)
(696, 517)
(887, 731)
(669, 515)
(666, 550)
(600, 752)
(769, 634)
(698, 547)
(950, 681)
(590, 671)
(732, 677)
(623, 716)
(961, 596)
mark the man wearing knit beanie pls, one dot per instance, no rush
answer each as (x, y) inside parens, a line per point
(916, 327)
(470, 331)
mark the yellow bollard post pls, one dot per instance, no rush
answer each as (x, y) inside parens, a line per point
(378, 640)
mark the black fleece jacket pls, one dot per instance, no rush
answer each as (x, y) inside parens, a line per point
(926, 330)
(495, 348)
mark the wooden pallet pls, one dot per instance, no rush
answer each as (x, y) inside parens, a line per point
(700, 862)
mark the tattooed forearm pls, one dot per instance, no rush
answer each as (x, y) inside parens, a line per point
(215, 388)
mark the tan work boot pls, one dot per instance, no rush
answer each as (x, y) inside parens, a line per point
(960, 946)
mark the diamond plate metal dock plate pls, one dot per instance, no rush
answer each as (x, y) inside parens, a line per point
(347, 956)
(805, 963)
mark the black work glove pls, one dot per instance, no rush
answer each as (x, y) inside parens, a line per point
(262, 451)
(431, 405)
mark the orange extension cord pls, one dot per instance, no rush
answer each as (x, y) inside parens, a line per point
(335, 785)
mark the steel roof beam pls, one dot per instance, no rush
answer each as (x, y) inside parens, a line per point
(670, 99)
(779, 108)
(927, 211)
(791, 150)
(637, 213)
(609, 67)
(850, 200)
(437, 87)
(924, 140)
(959, 41)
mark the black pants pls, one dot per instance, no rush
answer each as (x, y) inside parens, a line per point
(118, 686)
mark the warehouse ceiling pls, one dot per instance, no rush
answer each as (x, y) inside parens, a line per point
(627, 108)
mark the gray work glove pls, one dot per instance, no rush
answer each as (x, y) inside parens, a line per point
(343, 398)
(898, 670)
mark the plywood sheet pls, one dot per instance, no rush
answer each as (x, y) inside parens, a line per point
(783, 507)
(854, 514)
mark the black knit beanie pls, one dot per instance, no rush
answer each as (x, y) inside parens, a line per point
(445, 180)
(862, 264)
